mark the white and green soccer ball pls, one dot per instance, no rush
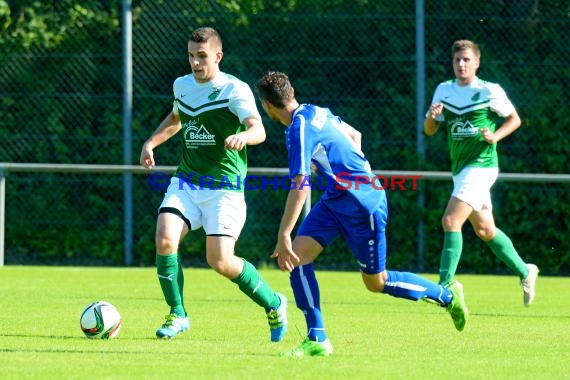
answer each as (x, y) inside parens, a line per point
(100, 320)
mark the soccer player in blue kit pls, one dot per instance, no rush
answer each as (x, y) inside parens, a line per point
(314, 136)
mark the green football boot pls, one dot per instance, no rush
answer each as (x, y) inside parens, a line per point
(310, 348)
(457, 307)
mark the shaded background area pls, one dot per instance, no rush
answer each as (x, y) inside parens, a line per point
(61, 102)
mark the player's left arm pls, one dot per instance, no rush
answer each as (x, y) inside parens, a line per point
(253, 135)
(510, 124)
(300, 190)
(255, 132)
(242, 104)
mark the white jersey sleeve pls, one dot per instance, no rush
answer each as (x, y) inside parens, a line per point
(499, 101)
(242, 104)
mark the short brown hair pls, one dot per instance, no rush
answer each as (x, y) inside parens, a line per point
(460, 45)
(205, 34)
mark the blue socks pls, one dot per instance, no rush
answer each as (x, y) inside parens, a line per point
(413, 287)
(308, 300)
(398, 284)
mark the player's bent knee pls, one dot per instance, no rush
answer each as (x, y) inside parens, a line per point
(485, 236)
(163, 244)
(217, 265)
(374, 286)
(450, 224)
(225, 268)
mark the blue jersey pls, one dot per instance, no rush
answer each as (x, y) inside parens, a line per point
(316, 135)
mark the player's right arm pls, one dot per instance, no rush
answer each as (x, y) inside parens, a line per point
(167, 128)
(431, 124)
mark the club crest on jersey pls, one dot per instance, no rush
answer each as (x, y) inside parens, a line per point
(214, 94)
(461, 129)
(476, 96)
(196, 136)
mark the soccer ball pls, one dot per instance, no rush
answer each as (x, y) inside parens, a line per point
(100, 320)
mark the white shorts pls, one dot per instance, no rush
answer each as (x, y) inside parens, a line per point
(473, 186)
(219, 212)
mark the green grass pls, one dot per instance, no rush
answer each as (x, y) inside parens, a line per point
(374, 336)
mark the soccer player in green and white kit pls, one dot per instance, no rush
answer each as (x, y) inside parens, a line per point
(217, 117)
(468, 107)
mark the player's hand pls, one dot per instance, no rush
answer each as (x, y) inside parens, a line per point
(435, 110)
(236, 142)
(147, 157)
(286, 258)
(488, 135)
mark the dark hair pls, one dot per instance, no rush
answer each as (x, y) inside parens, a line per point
(205, 34)
(460, 45)
(275, 87)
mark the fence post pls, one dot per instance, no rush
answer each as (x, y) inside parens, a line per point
(420, 111)
(127, 135)
(2, 213)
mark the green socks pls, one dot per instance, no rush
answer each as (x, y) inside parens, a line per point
(450, 255)
(503, 248)
(171, 278)
(251, 283)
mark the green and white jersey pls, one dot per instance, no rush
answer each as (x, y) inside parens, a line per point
(209, 113)
(467, 110)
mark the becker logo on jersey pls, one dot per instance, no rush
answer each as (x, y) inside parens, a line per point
(461, 129)
(195, 136)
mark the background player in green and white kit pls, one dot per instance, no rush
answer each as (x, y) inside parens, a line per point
(217, 117)
(468, 107)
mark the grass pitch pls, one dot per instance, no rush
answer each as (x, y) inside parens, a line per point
(374, 336)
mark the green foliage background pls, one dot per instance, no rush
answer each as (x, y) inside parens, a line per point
(61, 102)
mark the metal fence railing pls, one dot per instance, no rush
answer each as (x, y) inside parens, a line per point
(127, 221)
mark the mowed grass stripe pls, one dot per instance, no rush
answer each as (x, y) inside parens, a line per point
(374, 336)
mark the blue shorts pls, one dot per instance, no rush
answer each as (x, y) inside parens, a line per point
(364, 233)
